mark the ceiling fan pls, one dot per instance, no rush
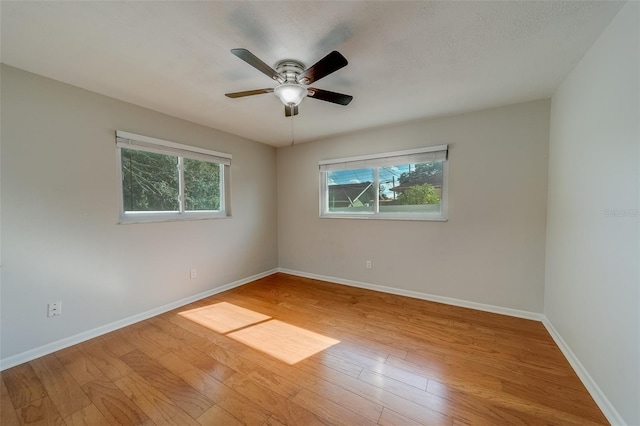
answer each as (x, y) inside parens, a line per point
(293, 80)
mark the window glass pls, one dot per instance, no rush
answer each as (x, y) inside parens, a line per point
(150, 181)
(411, 188)
(201, 185)
(351, 191)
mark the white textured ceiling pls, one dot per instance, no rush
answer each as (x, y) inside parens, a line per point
(407, 60)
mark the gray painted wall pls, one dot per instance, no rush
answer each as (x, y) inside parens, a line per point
(60, 237)
(490, 251)
(592, 293)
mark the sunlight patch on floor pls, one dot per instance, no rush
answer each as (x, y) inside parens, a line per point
(224, 317)
(284, 341)
(278, 339)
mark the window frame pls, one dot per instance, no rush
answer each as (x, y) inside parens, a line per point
(180, 151)
(375, 162)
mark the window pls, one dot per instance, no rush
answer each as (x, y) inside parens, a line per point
(163, 180)
(397, 185)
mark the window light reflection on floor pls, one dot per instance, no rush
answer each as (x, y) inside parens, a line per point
(278, 339)
(224, 317)
(284, 341)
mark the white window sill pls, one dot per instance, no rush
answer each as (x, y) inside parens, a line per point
(144, 217)
(434, 218)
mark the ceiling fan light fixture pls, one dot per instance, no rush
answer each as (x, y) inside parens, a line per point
(290, 94)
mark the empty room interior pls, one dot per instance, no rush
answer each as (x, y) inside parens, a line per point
(297, 213)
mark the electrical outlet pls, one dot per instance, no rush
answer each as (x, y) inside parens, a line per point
(54, 309)
(193, 274)
(369, 264)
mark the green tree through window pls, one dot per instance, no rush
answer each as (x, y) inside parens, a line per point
(420, 172)
(418, 186)
(201, 185)
(150, 181)
(419, 194)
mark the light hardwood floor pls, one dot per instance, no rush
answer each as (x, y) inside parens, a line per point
(286, 350)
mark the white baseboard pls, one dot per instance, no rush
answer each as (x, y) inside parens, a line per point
(598, 396)
(107, 328)
(418, 295)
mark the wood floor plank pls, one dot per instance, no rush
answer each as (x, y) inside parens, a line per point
(221, 364)
(87, 416)
(325, 360)
(164, 381)
(180, 334)
(273, 421)
(393, 360)
(394, 386)
(503, 370)
(195, 358)
(385, 398)
(504, 408)
(275, 382)
(240, 406)
(143, 337)
(8, 414)
(204, 332)
(330, 411)
(463, 410)
(391, 418)
(40, 413)
(152, 402)
(460, 377)
(63, 390)
(188, 344)
(347, 399)
(217, 416)
(81, 368)
(226, 398)
(554, 396)
(23, 385)
(282, 408)
(117, 343)
(100, 354)
(114, 405)
(198, 379)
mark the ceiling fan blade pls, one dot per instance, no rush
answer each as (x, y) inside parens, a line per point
(255, 62)
(325, 66)
(247, 93)
(325, 95)
(290, 110)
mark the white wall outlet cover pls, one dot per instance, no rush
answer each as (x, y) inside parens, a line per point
(54, 309)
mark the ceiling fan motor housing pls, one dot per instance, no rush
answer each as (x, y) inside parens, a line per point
(290, 91)
(290, 70)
